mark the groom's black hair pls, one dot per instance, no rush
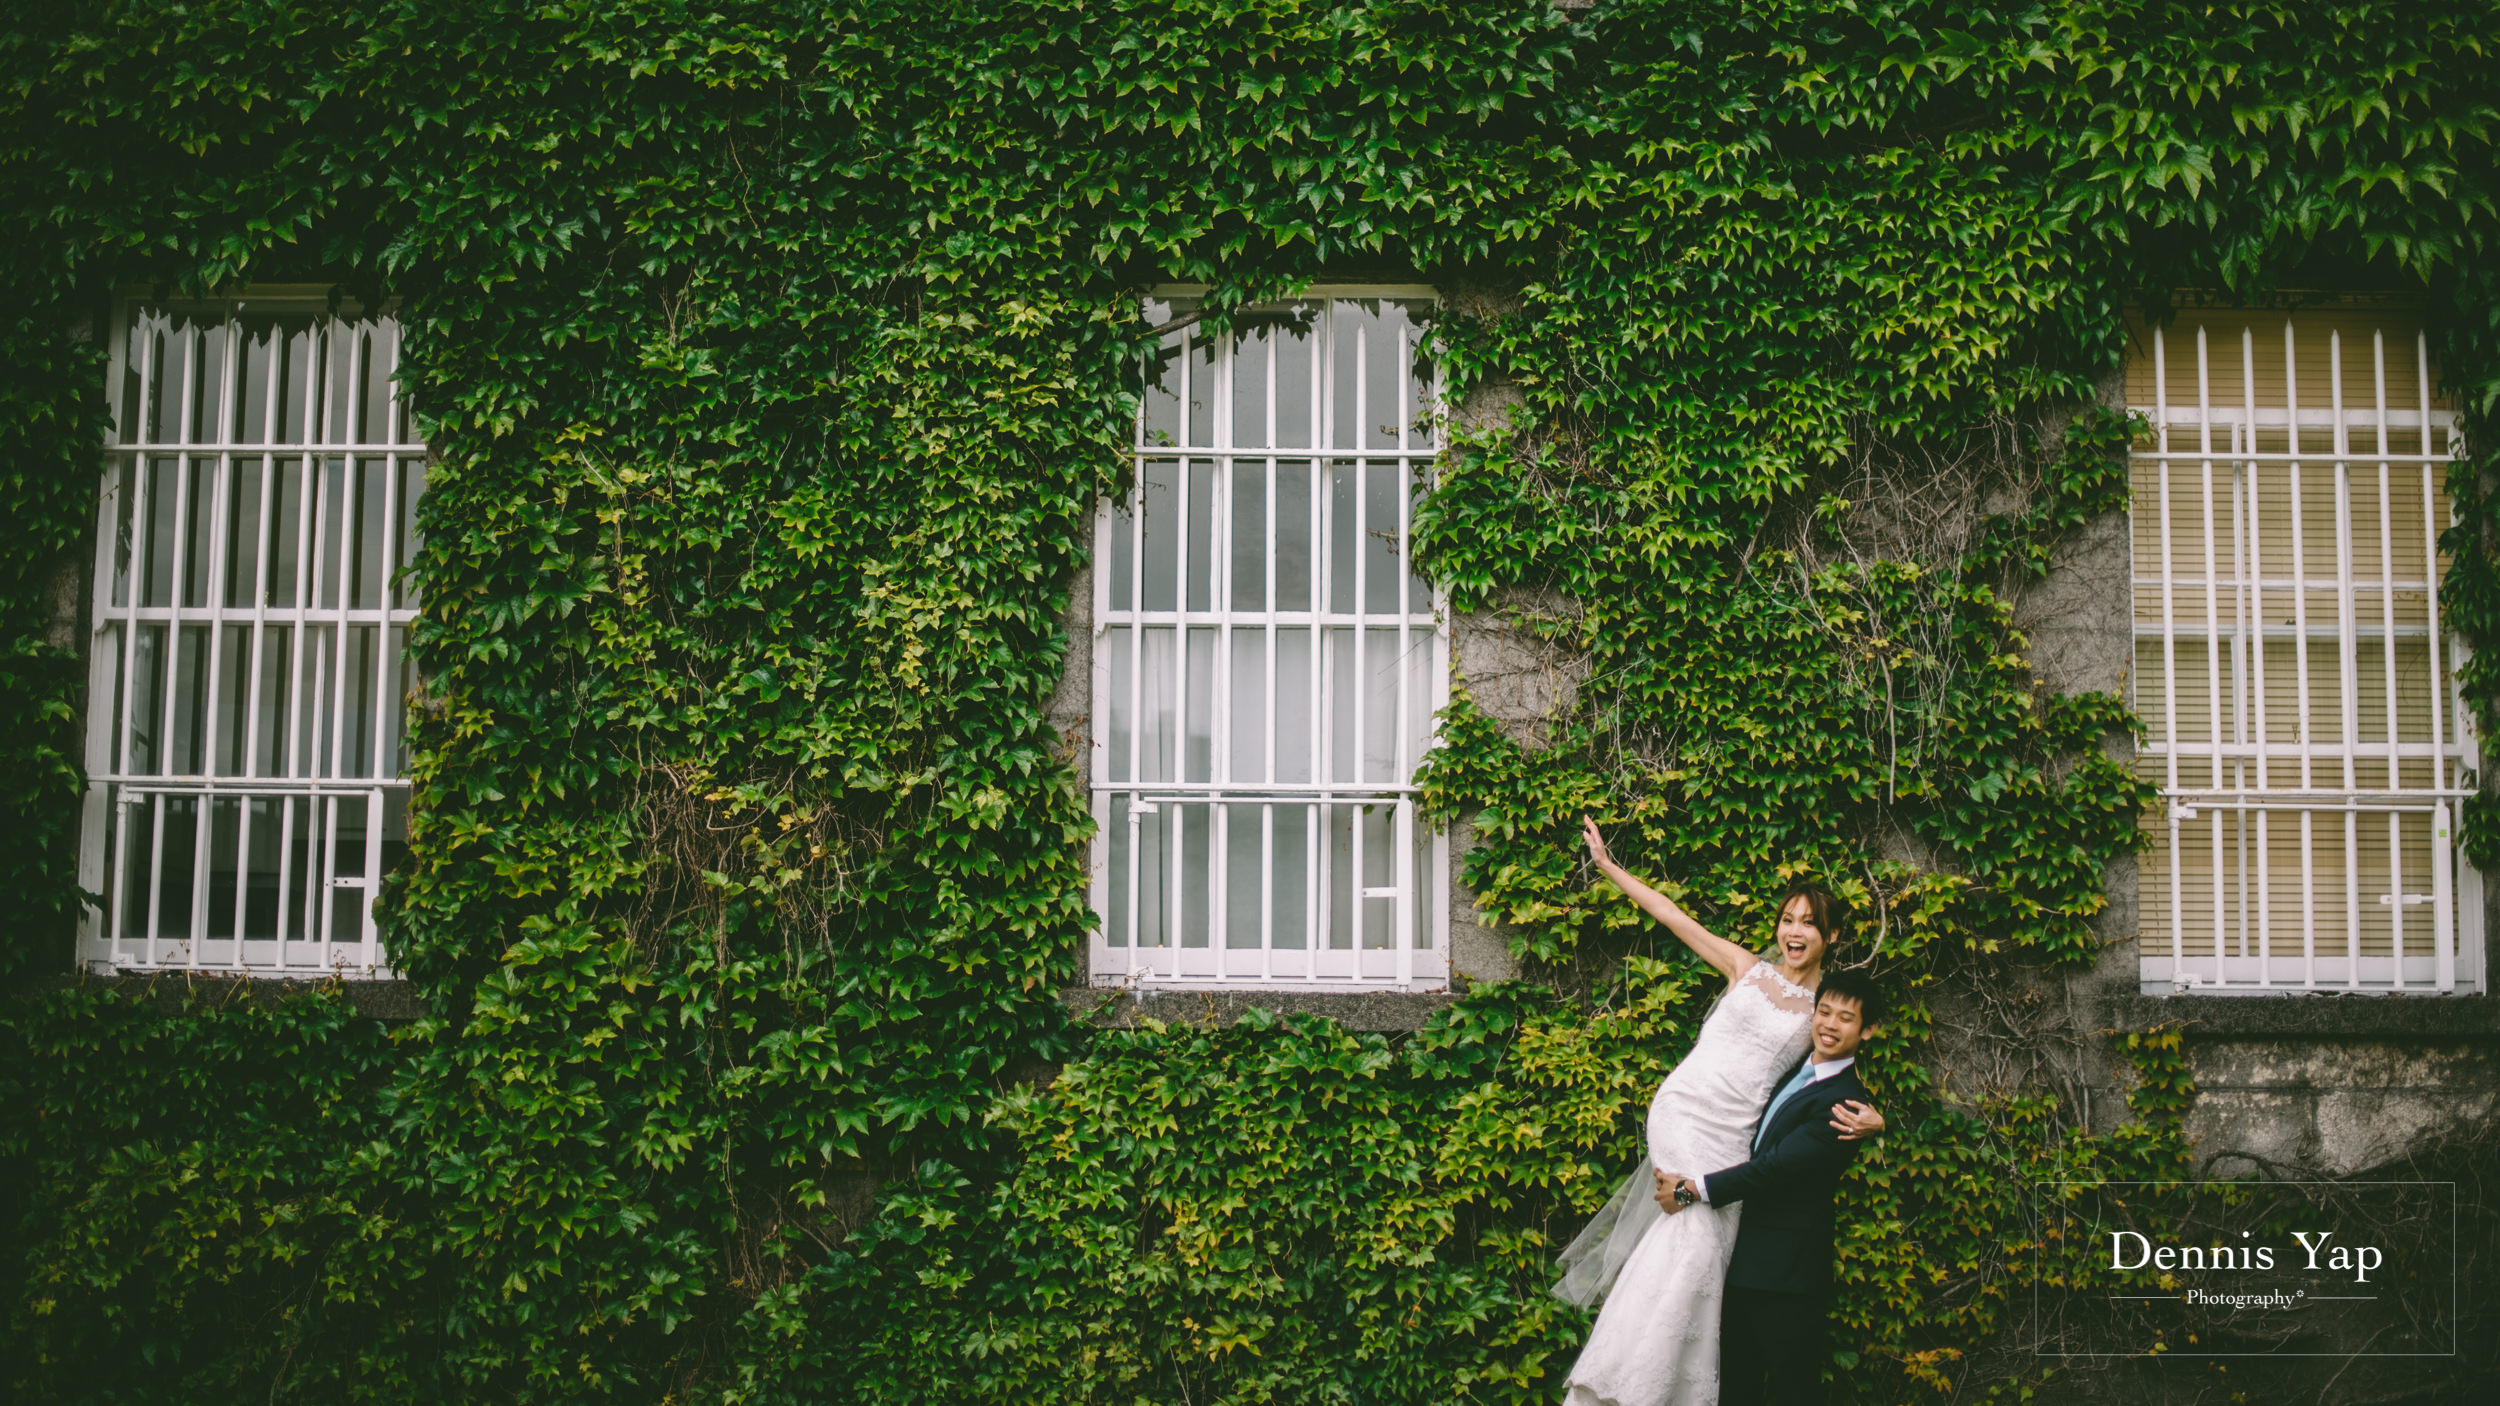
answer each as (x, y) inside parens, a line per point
(1859, 987)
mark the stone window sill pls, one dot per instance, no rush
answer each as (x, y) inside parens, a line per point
(1111, 1008)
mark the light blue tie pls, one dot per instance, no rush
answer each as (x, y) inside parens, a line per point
(1789, 1090)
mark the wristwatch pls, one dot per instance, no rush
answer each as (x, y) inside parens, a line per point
(1684, 1193)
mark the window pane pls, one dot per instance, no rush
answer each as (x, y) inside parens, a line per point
(147, 706)
(330, 529)
(1120, 557)
(373, 408)
(1292, 889)
(1160, 415)
(362, 679)
(1199, 695)
(1341, 684)
(1380, 854)
(189, 755)
(1191, 907)
(1384, 665)
(1251, 535)
(177, 867)
(208, 404)
(1116, 833)
(200, 490)
(410, 539)
(1297, 738)
(137, 335)
(1384, 566)
(1296, 528)
(286, 533)
(364, 554)
(1201, 511)
(225, 834)
(1418, 590)
(339, 346)
(1344, 526)
(1119, 645)
(264, 832)
(1297, 386)
(345, 919)
(1251, 355)
(298, 392)
(243, 534)
(231, 715)
(164, 503)
(1201, 389)
(390, 702)
(1159, 494)
(251, 409)
(1247, 751)
(1338, 865)
(269, 737)
(1245, 886)
(122, 527)
(1156, 723)
(317, 691)
(1152, 829)
(172, 342)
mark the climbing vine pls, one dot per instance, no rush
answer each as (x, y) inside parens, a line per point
(772, 356)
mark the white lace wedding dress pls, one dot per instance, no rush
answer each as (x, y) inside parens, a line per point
(1656, 1342)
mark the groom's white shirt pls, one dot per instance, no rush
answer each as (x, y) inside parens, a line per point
(1820, 1071)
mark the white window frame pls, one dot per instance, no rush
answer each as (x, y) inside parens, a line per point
(317, 790)
(2233, 780)
(1417, 895)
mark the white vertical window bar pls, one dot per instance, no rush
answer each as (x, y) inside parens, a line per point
(2252, 469)
(1270, 691)
(2169, 654)
(169, 659)
(203, 830)
(2348, 661)
(2387, 657)
(135, 466)
(2443, 894)
(1176, 816)
(2214, 737)
(250, 760)
(2308, 718)
(1220, 703)
(1357, 906)
(241, 761)
(1400, 763)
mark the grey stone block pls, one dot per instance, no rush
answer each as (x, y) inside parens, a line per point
(1118, 1009)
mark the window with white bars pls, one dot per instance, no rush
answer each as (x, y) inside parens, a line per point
(1267, 662)
(244, 746)
(2292, 664)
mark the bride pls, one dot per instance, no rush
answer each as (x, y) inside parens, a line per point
(1656, 1342)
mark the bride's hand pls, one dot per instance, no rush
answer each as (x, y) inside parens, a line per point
(1857, 1120)
(1597, 843)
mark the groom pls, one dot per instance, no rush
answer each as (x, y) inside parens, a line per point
(1771, 1324)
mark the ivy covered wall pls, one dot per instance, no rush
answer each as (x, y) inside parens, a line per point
(773, 356)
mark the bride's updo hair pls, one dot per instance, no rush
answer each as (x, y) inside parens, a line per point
(1830, 915)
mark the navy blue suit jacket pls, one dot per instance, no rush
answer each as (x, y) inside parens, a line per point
(1784, 1241)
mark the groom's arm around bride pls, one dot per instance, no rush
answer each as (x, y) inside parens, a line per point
(1779, 1279)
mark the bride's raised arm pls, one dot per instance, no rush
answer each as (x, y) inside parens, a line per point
(1730, 959)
